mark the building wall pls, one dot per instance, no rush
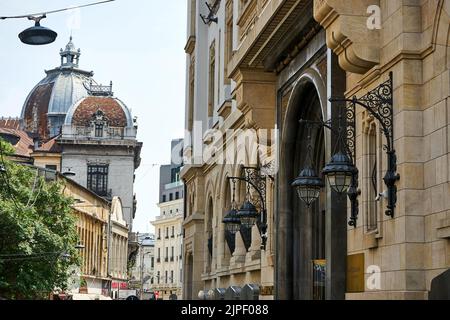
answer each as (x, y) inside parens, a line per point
(118, 253)
(412, 248)
(44, 159)
(165, 261)
(92, 218)
(215, 101)
(120, 174)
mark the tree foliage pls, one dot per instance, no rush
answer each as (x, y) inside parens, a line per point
(37, 233)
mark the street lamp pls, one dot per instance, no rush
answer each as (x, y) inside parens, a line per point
(231, 219)
(37, 35)
(308, 184)
(69, 173)
(341, 171)
(248, 215)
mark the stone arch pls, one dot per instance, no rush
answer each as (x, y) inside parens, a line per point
(225, 240)
(301, 232)
(441, 21)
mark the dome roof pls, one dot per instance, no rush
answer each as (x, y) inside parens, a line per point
(115, 111)
(45, 108)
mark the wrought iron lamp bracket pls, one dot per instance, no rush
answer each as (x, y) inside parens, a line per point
(210, 17)
(379, 104)
(257, 181)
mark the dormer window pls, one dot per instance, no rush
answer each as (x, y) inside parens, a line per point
(99, 130)
(99, 122)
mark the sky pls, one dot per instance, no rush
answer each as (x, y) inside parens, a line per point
(136, 44)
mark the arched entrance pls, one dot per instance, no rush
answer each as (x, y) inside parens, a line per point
(308, 239)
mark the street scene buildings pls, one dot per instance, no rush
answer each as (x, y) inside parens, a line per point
(168, 275)
(315, 162)
(71, 125)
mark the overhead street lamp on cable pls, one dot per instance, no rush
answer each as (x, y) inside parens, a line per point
(37, 34)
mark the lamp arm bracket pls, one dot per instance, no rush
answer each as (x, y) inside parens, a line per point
(254, 186)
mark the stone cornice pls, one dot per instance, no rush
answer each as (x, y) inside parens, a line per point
(357, 47)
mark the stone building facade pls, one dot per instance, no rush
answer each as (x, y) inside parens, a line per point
(215, 116)
(412, 41)
(266, 64)
(118, 244)
(168, 275)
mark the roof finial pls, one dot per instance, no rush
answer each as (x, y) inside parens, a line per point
(70, 56)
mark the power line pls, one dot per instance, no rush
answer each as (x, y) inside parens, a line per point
(54, 11)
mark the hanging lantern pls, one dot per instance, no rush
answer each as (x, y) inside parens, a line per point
(340, 172)
(308, 186)
(232, 221)
(248, 214)
(37, 35)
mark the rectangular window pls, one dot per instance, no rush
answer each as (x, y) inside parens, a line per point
(153, 262)
(175, 174)
(159, 234)
(228, 39)
(97, 179)
(50, 167)
(173, 251)
(98, 130)
(158, 276)
(166, 276)
(173, 231)
(171, 197)
(164, 198)
(191, 94)
(171, 276)
(167, 232)
(212, 80)
(177, 195)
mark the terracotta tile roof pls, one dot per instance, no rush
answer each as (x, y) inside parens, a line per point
(38, 104)
(50, 146)
(21, 140)
(10, 123)
(109, 106)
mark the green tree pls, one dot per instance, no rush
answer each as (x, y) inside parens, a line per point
(37, 232)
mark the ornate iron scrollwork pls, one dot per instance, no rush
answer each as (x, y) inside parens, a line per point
(257, 180)
(379, 103)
